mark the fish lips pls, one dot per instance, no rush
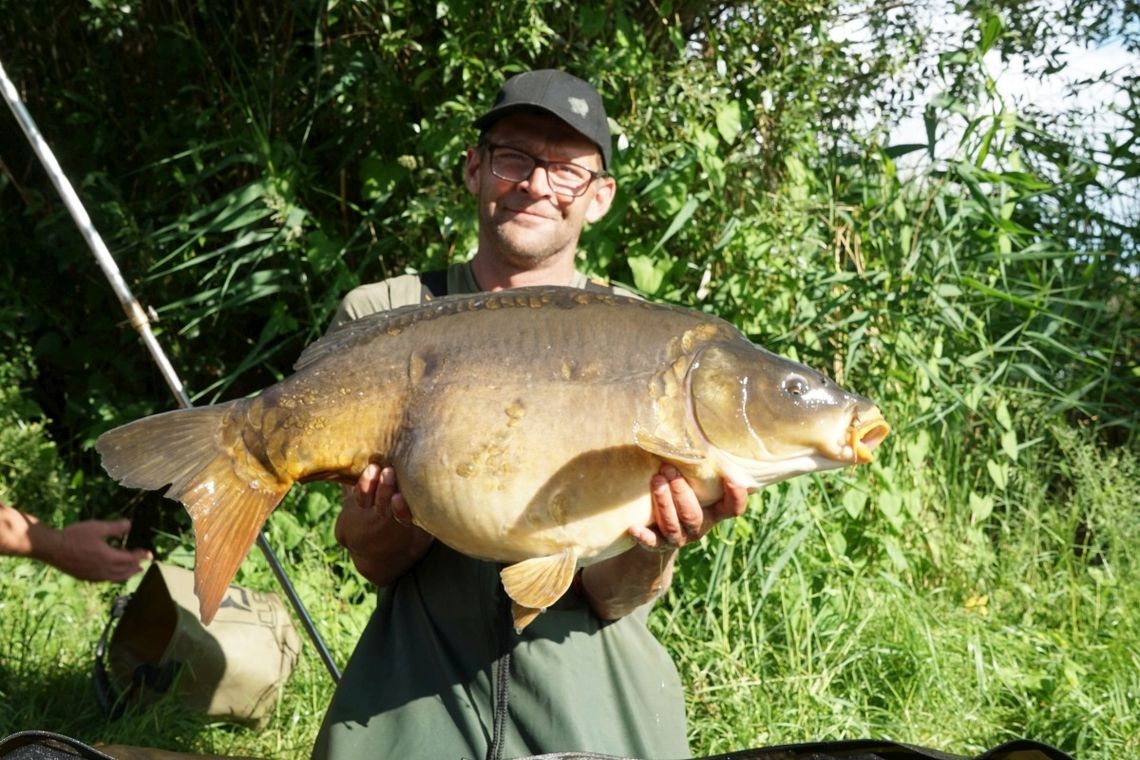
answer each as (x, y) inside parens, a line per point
(867, 430)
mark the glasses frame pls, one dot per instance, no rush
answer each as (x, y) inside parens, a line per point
(537, 162)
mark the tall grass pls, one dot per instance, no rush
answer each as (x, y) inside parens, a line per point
(1031, 633)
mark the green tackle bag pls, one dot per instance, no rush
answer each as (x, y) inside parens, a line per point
(231, 670)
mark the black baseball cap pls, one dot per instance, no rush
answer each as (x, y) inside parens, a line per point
(559, 94)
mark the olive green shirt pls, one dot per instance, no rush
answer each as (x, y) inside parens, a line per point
(422, 680)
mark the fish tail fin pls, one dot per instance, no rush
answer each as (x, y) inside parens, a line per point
(228, 493)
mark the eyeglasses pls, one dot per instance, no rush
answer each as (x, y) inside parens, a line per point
(514, 165)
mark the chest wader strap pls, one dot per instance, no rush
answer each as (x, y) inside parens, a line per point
(502, 677)
(433, 284)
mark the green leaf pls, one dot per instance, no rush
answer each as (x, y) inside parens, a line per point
(972, 397)
(930, 124)
(378, 178)
(854, 502)
(894, 151)
(728, 121)
(895, 552)
(591, 20)
(999, 473)
(890, 504)
(1003, 417)
(323, 253)
(691, 204)
(837, 542)
(1009, 444)
(981, 507)
(917, 449)
(647, 275)
(991, 30)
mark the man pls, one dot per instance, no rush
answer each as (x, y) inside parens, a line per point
(438, 672)
(79, 549)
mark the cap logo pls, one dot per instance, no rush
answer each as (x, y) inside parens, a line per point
(579, 106)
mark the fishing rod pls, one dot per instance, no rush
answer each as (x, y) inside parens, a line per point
(140, 320)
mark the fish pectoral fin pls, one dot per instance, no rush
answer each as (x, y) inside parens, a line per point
(666, 450)
(540, 582)
(523, 616)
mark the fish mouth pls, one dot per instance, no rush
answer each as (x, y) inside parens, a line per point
(867, 431)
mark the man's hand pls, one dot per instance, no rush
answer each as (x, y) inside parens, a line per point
(617, 586)
(81, 550)
(376, 527)
(679, 516)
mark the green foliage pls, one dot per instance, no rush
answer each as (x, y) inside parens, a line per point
(32, 476)
(248, 164)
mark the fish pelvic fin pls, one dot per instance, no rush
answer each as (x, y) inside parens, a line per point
(522, 616)
(535, 584)
(227, 493)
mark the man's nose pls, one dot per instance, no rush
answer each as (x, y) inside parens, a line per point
(538, 183)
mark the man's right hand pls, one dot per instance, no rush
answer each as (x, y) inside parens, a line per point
(376, 527)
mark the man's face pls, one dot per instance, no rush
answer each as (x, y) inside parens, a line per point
(527, 222)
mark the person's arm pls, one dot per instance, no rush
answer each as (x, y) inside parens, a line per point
(617, 586)
(79, 549)
(376, 527)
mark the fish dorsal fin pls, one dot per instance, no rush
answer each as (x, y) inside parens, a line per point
(540, 582)
(364, 329)
(367, 328)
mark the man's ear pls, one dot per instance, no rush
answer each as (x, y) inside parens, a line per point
(604, 191)
(471, 169)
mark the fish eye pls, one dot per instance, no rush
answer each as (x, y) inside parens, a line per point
(796, 386)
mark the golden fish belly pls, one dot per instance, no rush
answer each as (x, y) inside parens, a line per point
(497, 473)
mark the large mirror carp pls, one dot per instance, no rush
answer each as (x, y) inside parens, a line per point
(523, 425)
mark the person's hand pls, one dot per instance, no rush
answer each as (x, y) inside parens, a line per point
(680, 519)
(376, 527)
(617, 586)
(81, 550)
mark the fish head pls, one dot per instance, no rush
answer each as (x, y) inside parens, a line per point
(768, 418)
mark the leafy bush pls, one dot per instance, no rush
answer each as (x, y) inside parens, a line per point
(32, 475)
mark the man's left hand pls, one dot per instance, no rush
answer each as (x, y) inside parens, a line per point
(680, 518)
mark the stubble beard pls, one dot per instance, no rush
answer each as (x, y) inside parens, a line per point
(524, 248)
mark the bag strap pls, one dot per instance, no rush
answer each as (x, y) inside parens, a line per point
(501, 678)
(433, 284)
(104, 691)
